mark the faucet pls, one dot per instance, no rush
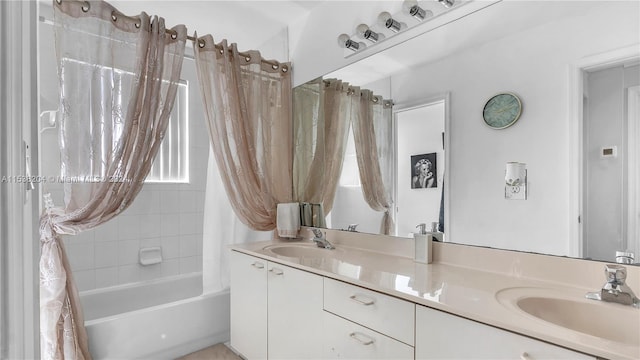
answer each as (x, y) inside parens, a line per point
(352, 227)
(615, 290)
(624, 257)
(320, 240)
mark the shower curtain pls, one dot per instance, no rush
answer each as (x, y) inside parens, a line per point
(322, 111)
(248, 111)
(118, 80)
(372, 132)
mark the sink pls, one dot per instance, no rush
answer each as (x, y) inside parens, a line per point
(299, 250)
(613, 322)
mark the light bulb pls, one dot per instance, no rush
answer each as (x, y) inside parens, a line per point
(345, 42)
(408, 4)
(342, 40)
(385, 19)
(362, 29)
(447, 3)
(366, 33)
(411, 7)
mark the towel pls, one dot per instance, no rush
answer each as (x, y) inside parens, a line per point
(288, 219)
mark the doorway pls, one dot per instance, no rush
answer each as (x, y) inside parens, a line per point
(609, 161)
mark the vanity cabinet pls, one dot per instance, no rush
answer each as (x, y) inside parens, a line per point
(444, 336)
(248, 305)
(276, 310)
(294, 309)
(364, 324)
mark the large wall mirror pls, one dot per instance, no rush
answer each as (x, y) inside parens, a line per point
(574, 66)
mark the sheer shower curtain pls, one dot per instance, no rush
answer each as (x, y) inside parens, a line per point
(247, 105)
(118, 81)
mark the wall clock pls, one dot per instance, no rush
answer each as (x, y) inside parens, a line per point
(502, 110)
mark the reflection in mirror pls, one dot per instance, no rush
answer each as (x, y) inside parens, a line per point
(326, 112)
(538, 50)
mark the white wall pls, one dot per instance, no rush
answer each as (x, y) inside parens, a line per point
(532, 61)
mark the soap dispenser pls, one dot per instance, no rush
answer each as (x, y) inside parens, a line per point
(422, 245)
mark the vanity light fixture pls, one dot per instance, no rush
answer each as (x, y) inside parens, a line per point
(447, 3)
(346, 42)
(385, 19)
(366, 33)
(515, 177)
(411, 7)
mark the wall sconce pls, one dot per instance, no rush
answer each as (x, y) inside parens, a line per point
(345, 42)
(411, 7)
(447, 3)
(515, 181)
(366, 33)
(385, 19)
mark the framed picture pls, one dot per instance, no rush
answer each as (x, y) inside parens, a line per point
(424, 171)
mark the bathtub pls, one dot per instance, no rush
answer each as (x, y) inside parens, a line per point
(159, 319)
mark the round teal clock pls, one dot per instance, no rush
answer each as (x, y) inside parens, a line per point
(502, 110)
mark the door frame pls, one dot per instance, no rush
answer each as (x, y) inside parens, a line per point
(576, 102)
(633, 170)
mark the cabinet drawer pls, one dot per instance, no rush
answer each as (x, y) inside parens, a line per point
(344, 339)
(436, 329)
(386, 314)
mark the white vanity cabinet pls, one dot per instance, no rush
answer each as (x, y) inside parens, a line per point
(364, 324)
(444, 336)
(276, 310)
(248, 305)
(294, 313)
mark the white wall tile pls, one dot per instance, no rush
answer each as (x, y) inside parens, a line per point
(128, 274)
(170, 247)
(128, 252)
(147, 202)
(189, 223)
(150, 272)
(149, 225)
(170, 201)
(188, 246)
(107, 231)
(81, 256)
(170, 224)
(189, 265)
(106, 254)
(171, 267)
(188, 201)
(85, 279)
(129, 227)
(106, 277)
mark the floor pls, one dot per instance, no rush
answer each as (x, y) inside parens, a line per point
(219, 351)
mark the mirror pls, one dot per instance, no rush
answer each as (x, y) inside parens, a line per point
(545, 52)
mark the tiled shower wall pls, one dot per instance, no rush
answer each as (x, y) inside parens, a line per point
(166, 215)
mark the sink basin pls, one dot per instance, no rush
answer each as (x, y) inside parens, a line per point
(613, 322)
(299, 251)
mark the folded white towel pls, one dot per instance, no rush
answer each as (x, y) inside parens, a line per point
(288, 219)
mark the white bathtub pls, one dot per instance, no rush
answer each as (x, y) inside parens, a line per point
(147, 321)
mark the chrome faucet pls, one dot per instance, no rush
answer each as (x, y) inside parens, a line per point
(352, 227)
(320, 240)
(615, 290)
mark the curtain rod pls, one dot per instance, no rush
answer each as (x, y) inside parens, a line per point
(86, 5)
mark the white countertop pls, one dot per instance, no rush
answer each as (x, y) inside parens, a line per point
(467, 292)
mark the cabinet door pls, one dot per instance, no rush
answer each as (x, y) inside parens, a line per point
(443, 336)
(295, 313)
(249, 305)
(344, 339)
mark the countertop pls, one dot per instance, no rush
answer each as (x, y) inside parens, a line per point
(463, 291)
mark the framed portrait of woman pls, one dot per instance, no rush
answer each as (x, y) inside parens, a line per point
(424, 171)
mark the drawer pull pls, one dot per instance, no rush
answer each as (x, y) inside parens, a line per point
(276, 271)
(258, 265)
(525, 356)
(362, 300)
(361, 338)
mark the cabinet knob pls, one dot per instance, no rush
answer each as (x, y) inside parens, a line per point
(362, 300)
(276, 271)
(361, 338)
(258, 265)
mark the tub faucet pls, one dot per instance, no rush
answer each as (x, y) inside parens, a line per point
(615, 290)
(320, 240)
